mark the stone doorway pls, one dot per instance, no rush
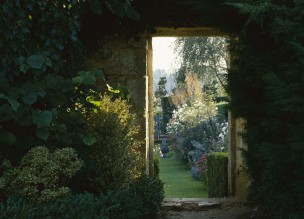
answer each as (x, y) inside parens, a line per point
(129, 62)
(237, 175)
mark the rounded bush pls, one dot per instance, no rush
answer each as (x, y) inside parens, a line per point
(115, 154)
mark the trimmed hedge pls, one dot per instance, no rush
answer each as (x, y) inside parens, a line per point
(217, 174)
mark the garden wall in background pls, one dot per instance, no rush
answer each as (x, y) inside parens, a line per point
(129, 62)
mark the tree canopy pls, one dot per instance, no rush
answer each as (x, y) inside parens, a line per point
(205, 56)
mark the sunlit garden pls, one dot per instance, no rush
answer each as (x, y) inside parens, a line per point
(191, 117)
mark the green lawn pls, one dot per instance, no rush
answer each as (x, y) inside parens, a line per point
(178, 180)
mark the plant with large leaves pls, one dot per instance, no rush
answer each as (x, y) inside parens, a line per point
(42, 99)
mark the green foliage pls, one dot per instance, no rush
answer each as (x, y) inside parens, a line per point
(75, 206)
(41, 176)
(266, 88)
(161, 89)
(115, 148)
(118, 91)
(205, 56)
(156, 165)
(41, 96)
(167, 110)
(217, 174)
(133, 202)
(151, 193)
(197, 129)
(159, 106)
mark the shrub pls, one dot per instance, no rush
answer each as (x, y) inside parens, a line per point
(195, 131)
(143, 198)
(151, 191)
(76, 206)
(115, 152)
(41, 175)
(217, 174)
(156, 165)
(199, 170)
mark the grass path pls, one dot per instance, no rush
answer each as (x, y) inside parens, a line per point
(178, 180)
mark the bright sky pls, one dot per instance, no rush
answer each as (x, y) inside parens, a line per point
(163, 55)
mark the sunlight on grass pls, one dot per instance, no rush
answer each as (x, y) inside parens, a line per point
(178, 180)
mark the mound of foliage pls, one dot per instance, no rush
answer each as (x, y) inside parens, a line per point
(137, 201)
(41, 176)
(114, 146)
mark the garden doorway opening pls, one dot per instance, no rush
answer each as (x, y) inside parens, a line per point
(189, 75)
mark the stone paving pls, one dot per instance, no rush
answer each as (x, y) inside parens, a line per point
(215, 208)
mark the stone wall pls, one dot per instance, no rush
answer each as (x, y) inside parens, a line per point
(238, 180)
(241, 171)
(124, 61)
